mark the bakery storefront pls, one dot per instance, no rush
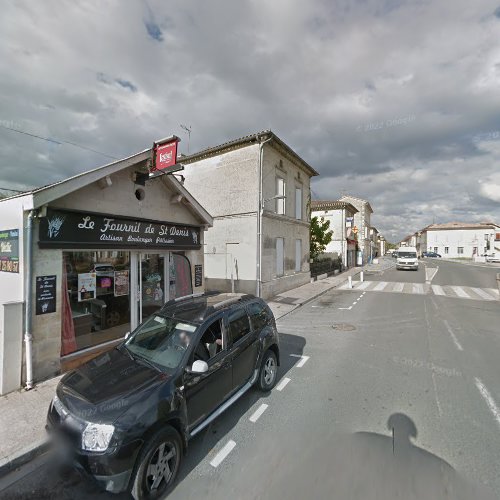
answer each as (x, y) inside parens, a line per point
(108, 249)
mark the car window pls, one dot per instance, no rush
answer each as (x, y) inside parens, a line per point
(238, 325)
(212, 340)
(258, 315)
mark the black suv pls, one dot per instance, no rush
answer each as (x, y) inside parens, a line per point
(126, 416)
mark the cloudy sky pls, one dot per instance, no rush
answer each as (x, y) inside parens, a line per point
(396, 101)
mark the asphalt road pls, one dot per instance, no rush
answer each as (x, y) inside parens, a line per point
(381, 395)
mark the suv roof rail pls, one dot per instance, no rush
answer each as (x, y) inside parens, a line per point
(229, 301)
(190, 296)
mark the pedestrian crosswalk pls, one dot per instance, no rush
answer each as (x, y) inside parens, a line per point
(453, 291)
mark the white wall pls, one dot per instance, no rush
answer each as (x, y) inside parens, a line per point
(454, 238)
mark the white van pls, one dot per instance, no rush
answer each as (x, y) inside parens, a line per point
(407, 258)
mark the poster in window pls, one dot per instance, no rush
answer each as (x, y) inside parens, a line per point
(121, 283)
(45, 295)
(198, 275)
(9, 251)
(86, 286)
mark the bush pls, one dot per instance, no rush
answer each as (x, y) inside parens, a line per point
(328, 265)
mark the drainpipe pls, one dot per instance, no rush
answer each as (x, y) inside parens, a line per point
(259, 219)
(28, 337)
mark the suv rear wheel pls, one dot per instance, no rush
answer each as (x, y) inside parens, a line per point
(157, 465)
(268, 371)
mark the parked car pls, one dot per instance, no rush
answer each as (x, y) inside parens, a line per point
(127, 416)
(431, 254)
(493, 257)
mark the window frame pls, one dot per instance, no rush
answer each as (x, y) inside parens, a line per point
(225, 340)
(282, 263)
(230, 342)
(280, 204)
(460, 250)
(298, 206)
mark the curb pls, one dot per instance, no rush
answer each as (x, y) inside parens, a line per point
(21, 457)
(315, 296)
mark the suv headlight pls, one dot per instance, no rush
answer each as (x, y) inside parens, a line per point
(96, 437)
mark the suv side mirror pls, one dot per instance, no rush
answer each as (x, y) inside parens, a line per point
(199, 366)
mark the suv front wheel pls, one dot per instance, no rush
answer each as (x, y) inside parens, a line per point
(157, 465)
(268, 371)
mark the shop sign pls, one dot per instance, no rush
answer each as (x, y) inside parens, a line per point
(86, 286)
(45, 294)
(72, 229)
(121, 283)
(9, 250)
(165, 155)
(198, 275)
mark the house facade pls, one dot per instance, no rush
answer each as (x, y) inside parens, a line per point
(85, 260)
(341, 216)
(461, 239)
(362, 222)
(258, 191)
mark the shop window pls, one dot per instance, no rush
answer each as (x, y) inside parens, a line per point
(96, 298)
(180, 276)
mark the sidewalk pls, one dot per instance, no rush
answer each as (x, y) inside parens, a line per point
(23, 413)
(286, 302)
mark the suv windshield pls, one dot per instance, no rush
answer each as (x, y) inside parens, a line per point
(407, 255)
(162, 341)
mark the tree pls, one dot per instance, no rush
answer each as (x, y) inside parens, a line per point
(320, 236)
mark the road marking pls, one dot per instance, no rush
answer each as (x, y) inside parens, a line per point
(303, 360)
(381, 286)
(453, 336)
(430, 272)
(482, 293)
(418, 288)
(460, 292)
(363, 285)
(346, 308)
(258, 413)
(398, 287)
(440, 411)
(488, 398)
(355, 302)
(219, 458)
(282, 384)
(438, 290)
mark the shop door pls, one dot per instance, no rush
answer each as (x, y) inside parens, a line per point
(153, 272)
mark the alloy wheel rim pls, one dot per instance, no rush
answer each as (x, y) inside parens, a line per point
(161, 466)
(269, 371)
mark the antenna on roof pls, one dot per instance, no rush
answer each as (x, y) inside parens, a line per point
(188, 130)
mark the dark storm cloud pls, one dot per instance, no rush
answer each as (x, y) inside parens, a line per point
(391, 100)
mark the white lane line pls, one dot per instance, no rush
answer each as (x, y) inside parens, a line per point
(282, 384)
(258, 413)
(438, 290)
(460, 292)
(363, 285)
(453, 336)
(355, 302)
(381, 286)
(303, 360)
(219, 458)
(346, 308)
(418, 288)
(398, 287)
(482, 293)
(488, 398)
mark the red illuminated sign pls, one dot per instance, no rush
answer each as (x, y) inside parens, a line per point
(165, 155)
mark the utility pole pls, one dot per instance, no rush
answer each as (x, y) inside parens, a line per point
(188, 130)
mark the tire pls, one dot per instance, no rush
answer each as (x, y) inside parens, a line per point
(268, 373)
(165, 442)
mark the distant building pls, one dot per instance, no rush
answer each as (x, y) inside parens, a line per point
(341, 217)
(258, 191)
(461, 239)
(362, 223)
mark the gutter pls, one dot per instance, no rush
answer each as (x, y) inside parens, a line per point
(258, 270)
(28, 337)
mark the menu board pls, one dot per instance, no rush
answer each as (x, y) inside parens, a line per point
(86, 286)
(198, 275)
(9, 251)
(45, 296)
(121, 283)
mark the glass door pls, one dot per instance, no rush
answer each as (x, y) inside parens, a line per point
(153, 274)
